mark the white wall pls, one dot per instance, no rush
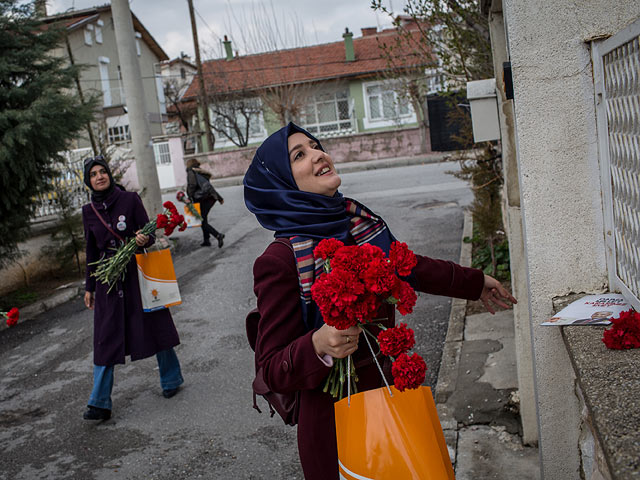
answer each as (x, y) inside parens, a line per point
(549, 44)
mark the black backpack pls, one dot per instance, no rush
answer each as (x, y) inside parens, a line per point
(286, 404)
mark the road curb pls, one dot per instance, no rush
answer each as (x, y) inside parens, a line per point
(62, 295)
(448, 373)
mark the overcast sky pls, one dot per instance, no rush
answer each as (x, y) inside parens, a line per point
(252, 25)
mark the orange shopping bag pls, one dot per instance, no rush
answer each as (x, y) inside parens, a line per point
(386, 437)
(157, 279)
(192, 220)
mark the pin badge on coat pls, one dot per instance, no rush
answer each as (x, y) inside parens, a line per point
(121, 223)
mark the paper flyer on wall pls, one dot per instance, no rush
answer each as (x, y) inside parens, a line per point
(591, 310)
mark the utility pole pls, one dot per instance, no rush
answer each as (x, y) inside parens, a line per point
(203, 110)
(138, 121)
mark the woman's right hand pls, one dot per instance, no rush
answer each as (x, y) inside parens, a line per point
(88, 300)
(329, 340)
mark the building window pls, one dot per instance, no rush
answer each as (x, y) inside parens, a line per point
(229, 116)
(138, 37)
(161, 153)
(328, 112)
(88, 35)
(119, 133)
(98, 30)
(385, 104)
(183, 73)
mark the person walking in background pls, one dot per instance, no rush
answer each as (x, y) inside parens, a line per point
(120, 326)
(200, 190)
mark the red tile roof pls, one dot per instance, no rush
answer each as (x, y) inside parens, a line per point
(305, 64)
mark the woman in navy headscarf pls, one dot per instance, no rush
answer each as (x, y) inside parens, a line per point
(292, 188)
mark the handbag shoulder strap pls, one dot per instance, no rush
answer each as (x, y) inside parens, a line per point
(105, 223)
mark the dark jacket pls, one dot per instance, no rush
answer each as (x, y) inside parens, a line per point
(193, 186)
(120, 327)
(281, 328)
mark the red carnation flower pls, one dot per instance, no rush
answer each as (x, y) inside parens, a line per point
(406, 297)
(624, 332)
(379, 276)
(183, 227)
(326, 248)
(397, 340)
(161, 221)
(170, 206)
(402, 258)
(12, 317)
(168, 230)
(408, 371)
(179, 195)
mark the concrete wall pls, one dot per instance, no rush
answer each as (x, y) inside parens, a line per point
(512, 219)
(560, 190)
(352, 148)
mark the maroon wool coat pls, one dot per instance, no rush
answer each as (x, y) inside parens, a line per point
(120, 327)
(281, 329)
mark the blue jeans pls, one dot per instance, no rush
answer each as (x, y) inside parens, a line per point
(170, 378)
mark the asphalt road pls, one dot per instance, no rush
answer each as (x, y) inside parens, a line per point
(209, 430)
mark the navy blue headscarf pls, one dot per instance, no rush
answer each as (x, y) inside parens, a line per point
(271, 194)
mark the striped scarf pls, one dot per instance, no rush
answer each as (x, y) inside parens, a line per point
(365, 227)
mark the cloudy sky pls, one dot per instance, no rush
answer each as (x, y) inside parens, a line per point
(252, 25)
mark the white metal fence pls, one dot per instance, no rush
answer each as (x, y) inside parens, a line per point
(617, 76)
(68, 186)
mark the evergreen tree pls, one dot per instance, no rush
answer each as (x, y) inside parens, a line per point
(39, 115)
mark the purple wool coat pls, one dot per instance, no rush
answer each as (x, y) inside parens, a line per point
(120, 327)
(281, 330)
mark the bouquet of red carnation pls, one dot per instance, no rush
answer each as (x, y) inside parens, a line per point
(11, 316)
(356, 282)
(109, 270)
(182, 197)
(624, 332)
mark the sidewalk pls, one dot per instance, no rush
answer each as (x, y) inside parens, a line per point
(477, 394)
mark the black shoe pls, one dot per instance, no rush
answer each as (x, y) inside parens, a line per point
(206, 244)
(220, 240)
(170, 393)
(96, 413)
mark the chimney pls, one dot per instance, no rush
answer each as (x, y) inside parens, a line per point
(227, 48)
(368, 31)
(41, 8)
(348, 45)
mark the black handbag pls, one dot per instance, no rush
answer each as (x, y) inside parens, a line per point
(205, 189)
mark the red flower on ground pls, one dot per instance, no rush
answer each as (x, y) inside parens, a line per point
(402, 258)
(12, 317)
(326, 248)
(624, 332)
(397, 340)
(408, 371)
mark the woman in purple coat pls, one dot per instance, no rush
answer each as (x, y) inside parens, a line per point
(292, 188)
(120, 326)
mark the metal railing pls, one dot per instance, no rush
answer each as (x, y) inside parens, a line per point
(617, 76)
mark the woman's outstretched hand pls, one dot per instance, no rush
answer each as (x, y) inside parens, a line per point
(329, 340)
(495, 293)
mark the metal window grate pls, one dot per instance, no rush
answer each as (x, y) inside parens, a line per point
(619, 72)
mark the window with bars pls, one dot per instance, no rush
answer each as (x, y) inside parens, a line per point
(119, 133)
(384, 103)
(161, 153)
(328, 112)
(616, 66)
